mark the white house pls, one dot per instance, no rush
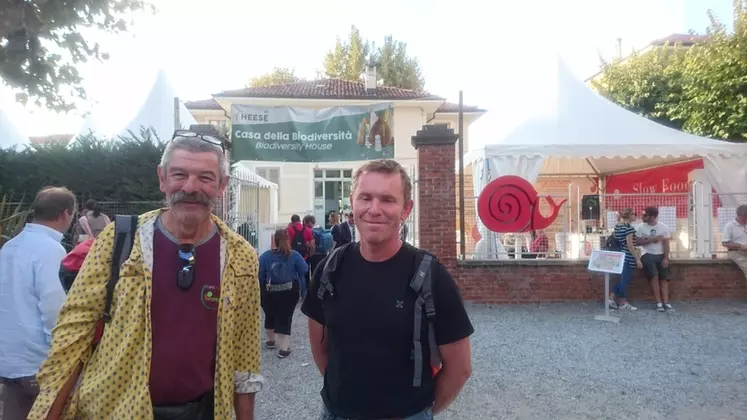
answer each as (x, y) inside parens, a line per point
(318, 188)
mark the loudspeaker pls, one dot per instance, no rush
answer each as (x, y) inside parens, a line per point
(590, 207)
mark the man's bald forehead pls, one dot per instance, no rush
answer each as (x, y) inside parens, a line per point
(54, 190)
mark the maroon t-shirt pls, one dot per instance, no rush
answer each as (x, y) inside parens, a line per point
(184, 323)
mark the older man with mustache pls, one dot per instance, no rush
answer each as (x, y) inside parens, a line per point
(183, 340)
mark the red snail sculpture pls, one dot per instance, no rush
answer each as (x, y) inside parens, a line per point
(510, 204)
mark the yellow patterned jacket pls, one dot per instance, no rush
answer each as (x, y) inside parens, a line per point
(114, 381)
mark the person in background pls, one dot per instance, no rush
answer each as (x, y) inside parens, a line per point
(72, 262)
(344, 233)
(734, 238)
(301, 238)
(625, 237)
(333, 219)
(653, 238)
(31, 296)
(92, 221)
(81, 224)
(404, 231)
(319, 251)
(539, 245)
(183, 339)
(248, 230)
(282, 278)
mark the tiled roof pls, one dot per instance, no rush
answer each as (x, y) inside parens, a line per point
(327, 89)
(204, 104)
(211, 104)
(686, 40)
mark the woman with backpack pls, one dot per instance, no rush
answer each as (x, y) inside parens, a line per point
(624, 238)
(281, 280)
(91, 222)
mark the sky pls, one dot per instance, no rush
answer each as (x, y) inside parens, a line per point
(495, 51)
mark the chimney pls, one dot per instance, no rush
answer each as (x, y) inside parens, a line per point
(619, 48)
(370, 78)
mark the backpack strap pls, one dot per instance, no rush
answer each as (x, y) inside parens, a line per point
(422, 285)
(333, 261)
(125, 228)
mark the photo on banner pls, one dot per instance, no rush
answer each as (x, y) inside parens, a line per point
(292, 134)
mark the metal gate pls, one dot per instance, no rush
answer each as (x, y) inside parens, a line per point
(412, 220)
(239, 207)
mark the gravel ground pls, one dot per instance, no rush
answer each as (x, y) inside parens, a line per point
(556, 362)
(539, 362)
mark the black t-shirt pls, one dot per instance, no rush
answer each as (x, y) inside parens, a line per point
(369, 322)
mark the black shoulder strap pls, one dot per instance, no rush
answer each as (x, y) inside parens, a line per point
(125, 228)
(422, 283)
(333, 261)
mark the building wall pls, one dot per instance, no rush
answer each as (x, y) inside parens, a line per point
(296, 180)
(296, 186)
(525, 281)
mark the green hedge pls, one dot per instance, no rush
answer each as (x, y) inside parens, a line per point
(118, 170)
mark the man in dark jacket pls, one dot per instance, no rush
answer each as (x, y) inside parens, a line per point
(344, 233)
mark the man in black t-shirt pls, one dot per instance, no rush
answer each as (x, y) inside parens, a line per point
(361, 335)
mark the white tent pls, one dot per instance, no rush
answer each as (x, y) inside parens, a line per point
(9, 134)
(574, 131)
(256, 200)
(156, 111)
(256, 193)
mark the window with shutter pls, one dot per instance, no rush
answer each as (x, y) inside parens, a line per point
(272, 175)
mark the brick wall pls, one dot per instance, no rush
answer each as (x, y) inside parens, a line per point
(554, 281)
(436, 162)
(524, 281)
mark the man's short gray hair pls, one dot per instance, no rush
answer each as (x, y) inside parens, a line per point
(389, 167)
(742, 210)
(196, 145)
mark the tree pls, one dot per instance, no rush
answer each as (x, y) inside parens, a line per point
(714, 88)
(395, 67)
(42, 41)
(701, 90)
(278, 76)
(348, 59)
(645, 83)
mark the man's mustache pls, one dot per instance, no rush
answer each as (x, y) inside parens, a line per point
(195, 197)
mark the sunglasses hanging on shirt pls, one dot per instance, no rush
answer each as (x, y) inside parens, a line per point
(186, 274)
